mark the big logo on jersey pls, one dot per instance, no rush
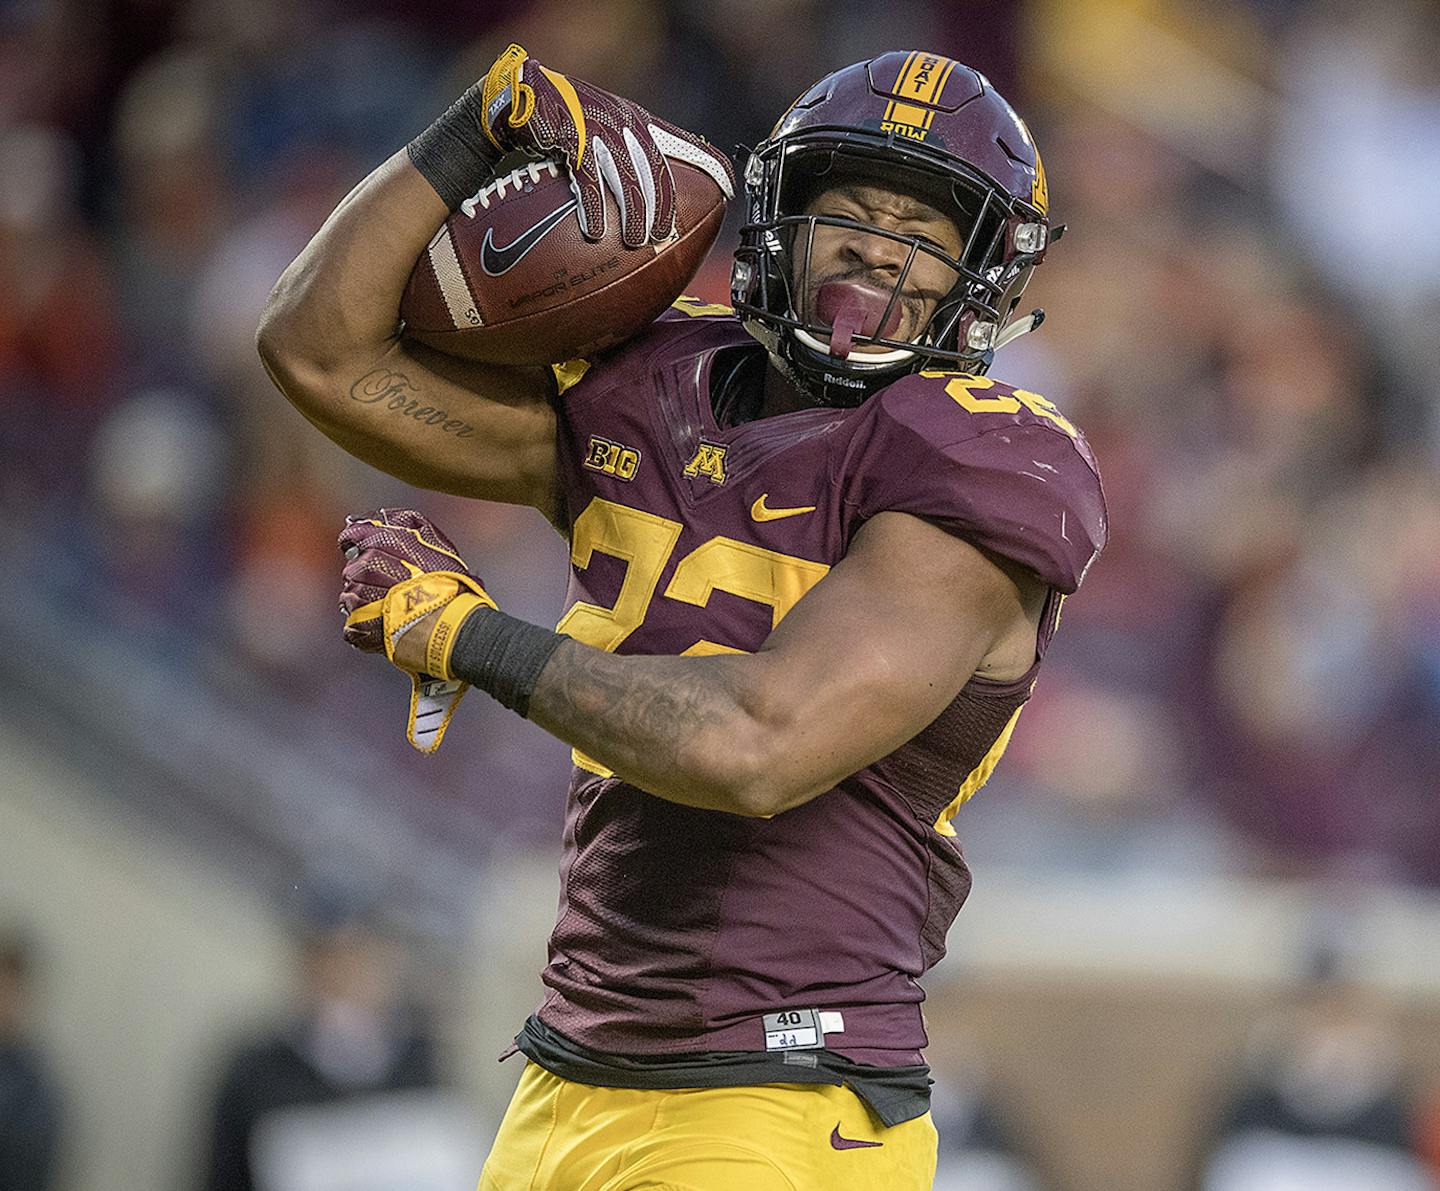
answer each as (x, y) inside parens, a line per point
(611, 458)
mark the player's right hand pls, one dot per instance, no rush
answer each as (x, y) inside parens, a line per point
(402, 574)
(382, 549)
(608, 143)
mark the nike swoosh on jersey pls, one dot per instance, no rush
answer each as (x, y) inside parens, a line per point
(846, 1143)
(496, 260)
(761, 513)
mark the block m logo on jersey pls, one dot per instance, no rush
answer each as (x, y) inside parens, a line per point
(709, 461)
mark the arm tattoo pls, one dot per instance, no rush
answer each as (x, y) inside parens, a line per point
(397, 393)
(635, 713)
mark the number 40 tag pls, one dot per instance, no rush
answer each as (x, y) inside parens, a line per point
(793, 1029)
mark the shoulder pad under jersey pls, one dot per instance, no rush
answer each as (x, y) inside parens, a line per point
(686, 306)
(716, 322)
(998, 466)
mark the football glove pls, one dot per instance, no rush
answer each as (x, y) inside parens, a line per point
(608, 143)
(382, 549)
(400, 568)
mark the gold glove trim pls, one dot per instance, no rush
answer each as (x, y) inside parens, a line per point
(374, 610)
(419, 537)
(442, 637)
(572, 101)
(408, 603)
(434, 696)
(506, 72)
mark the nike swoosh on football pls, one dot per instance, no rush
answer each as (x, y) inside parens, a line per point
(496, 260)
(761, 513)
(846, 1143)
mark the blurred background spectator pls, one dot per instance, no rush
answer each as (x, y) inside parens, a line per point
(29, 1100)
(1246, 695)
(1323, 1101)
(980, 1145)
(344, 1093)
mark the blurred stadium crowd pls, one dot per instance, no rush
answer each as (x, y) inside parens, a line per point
(1239, 318)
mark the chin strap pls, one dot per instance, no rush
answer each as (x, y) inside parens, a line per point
(873, 359)
(1017, 327)
(833, 389)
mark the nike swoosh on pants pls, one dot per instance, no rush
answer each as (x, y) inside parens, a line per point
(848, 1143)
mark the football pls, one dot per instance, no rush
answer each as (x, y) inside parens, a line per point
(510, 279)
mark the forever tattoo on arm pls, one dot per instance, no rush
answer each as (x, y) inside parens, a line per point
(398, 394)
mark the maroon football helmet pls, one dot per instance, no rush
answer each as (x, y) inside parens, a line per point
(921, 124)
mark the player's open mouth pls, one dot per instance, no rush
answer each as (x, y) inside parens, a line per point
(853, 308)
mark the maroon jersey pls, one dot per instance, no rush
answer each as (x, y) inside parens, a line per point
(683, 930)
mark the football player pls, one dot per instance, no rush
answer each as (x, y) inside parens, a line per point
(817, 558)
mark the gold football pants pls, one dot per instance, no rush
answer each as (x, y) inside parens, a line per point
(563, 1136)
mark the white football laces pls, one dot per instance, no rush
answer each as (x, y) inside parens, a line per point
(515, 179)
(669, 145)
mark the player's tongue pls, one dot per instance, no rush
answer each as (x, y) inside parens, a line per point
(851, 309)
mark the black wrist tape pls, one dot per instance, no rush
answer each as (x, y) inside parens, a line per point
(502, 656)
(454, 154)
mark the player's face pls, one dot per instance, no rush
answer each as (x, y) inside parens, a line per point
(848, 254)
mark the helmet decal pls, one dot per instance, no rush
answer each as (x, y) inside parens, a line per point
(1039, 191)
(922, 79)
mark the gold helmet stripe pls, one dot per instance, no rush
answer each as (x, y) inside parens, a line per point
(900, 84)
(922, 80)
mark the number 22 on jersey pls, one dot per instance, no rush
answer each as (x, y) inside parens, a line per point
(644, 542)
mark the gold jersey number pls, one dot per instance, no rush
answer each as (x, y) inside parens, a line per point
(645, 542)
(965, 390)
